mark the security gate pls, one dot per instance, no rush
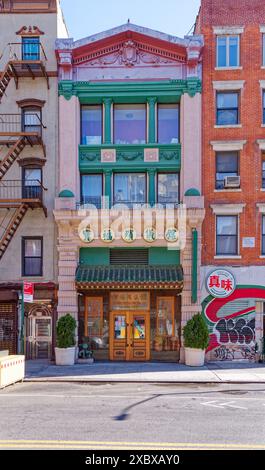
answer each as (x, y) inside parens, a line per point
(39, 334)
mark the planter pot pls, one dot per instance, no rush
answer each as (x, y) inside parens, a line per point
(194, 357)
(65, 356)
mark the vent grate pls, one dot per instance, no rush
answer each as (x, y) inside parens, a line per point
(130, 256)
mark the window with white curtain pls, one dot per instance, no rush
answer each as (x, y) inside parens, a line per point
(129, 188)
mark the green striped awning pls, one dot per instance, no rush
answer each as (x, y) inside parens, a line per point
(121, 276)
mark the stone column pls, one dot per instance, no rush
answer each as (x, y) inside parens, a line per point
(67, 294)
(191, 148)
(69, 140)
(188, 306)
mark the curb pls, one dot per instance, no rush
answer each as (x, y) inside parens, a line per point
(127, 381)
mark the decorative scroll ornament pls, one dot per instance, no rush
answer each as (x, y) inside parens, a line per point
(131, 54)
(29, 31)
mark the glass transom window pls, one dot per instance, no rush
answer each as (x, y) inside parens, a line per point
(227, 51)
(130, 124)
(168, 123)
(129, 188)
(91, 125)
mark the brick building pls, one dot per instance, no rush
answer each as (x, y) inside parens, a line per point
(28, 162)
(233, 172)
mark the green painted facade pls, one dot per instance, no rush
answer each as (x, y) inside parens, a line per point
(166, 91)
(194, 279)
(101, 256)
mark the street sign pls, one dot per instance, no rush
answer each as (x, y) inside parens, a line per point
(28, 290)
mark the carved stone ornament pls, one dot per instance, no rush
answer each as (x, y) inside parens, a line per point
(130, 54)
(29, 31)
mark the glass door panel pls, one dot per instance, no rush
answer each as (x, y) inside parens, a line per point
(139, 328)
(120, 327)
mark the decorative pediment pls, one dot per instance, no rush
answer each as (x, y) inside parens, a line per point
(130, 53)
(29, 31)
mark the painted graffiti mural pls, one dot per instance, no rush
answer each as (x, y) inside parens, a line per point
(231, 323)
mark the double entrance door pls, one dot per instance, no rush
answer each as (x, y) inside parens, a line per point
(129, 336)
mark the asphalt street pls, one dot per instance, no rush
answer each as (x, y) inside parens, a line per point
(132, 416)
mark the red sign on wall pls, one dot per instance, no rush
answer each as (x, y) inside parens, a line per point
(28, 292)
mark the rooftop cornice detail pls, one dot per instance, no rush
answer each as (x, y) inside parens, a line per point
(132, 36)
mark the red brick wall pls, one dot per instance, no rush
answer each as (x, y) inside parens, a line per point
(232, 12)
(250, 14)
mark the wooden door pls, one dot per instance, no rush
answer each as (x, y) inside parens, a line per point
(129, 336)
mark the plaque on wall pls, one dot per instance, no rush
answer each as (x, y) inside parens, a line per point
(129, 300)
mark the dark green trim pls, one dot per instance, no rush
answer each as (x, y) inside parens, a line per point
(194, 274)
(192, 192)
(108, 186)
(165, 91)
(168, 274)
(107, 120)
(66, 193)
(163, 256)
(152, 187)
(152, 120)
(129, 157)
(94, 256)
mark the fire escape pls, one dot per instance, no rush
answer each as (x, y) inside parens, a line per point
(16, 132)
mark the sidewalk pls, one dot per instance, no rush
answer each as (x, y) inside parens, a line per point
(218, 372)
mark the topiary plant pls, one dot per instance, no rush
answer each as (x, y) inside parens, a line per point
(65, 330)
(196, 333)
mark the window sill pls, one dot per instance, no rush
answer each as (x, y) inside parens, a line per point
(262, 189)
(262, 125)
(229, 190)
(227, 257)
(262, 257)
(31, 276)
(229, 68)
(231, 126)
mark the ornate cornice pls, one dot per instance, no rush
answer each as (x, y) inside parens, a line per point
(88, 90)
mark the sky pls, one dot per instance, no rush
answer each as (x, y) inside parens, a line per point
(86, 17)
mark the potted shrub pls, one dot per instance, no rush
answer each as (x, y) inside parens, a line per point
(65, 351)
(196, 340)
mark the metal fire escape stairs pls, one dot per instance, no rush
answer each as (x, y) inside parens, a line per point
(17, 206)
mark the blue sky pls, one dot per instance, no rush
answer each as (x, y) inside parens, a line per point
(86, 17)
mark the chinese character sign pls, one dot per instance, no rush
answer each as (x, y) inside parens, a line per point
(220, 283)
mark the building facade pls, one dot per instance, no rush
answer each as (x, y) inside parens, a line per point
(28, 153)
(129, 154)
(233, 169)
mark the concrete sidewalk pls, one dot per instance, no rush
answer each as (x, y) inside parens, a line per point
(218, 372)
